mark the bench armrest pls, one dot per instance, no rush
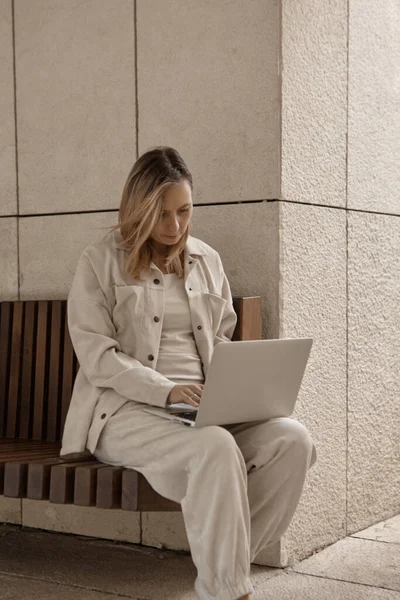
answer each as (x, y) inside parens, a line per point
(249, 324)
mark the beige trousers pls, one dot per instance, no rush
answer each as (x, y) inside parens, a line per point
(238, 485)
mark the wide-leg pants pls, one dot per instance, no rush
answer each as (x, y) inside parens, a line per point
(238, 485)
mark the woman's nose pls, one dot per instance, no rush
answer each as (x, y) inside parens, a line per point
(173, 226)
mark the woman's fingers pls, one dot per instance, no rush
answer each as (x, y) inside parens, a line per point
(197, 389)
(193, 395)
(190, 400)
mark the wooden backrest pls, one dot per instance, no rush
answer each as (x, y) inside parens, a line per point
(38, 364)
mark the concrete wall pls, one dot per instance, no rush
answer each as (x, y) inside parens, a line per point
(340, 254)
(287, 115)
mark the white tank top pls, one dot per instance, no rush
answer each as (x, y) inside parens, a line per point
(178, 357)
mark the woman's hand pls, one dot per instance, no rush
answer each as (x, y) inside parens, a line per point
(190, 394)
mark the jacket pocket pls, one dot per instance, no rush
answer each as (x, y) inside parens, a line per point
(215, 308)
(128, 315)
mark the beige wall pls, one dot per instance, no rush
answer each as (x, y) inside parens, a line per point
(287, 115)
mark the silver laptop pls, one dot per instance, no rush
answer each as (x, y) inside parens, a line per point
(246, 381)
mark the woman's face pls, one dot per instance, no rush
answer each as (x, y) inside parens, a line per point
(175, 218)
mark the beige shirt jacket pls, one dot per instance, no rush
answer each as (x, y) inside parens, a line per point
(115, 324)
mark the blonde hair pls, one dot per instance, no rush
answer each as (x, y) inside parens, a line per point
(141, 208)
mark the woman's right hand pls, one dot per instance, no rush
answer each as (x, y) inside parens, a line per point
(190, 394)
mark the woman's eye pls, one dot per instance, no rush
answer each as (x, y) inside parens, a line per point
(183, 210)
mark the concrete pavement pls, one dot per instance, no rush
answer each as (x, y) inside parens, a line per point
(42, 565)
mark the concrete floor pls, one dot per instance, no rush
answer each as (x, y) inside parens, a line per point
(41, 565)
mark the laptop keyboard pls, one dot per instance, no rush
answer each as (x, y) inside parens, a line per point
(191, 415)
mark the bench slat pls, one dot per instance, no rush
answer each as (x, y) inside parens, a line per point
(130, 489)
(16, 475)
(150, 500)
(27, 370)
(137, 494)
(5, 326)
(109, 484)
(55, 372)
(39, 472)
(15, 363)
(15, 472)
(85, 488)
(40, 369)
(28, 454)
(62, 482)
(69, 373)
(7, 444)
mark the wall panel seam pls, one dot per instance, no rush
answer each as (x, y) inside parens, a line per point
(347, 265)
(16, 143)
(239, 202)
(136, 77)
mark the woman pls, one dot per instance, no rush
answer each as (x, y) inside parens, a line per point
(146, 307)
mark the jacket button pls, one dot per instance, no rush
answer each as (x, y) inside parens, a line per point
(157, 281)
(156, 319)
(150, 357)
(103, 416)
(190, 289)
(199, 327)
(190, 262)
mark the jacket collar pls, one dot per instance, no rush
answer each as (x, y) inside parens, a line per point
(193, 245)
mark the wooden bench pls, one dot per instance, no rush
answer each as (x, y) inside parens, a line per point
(38, 366)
